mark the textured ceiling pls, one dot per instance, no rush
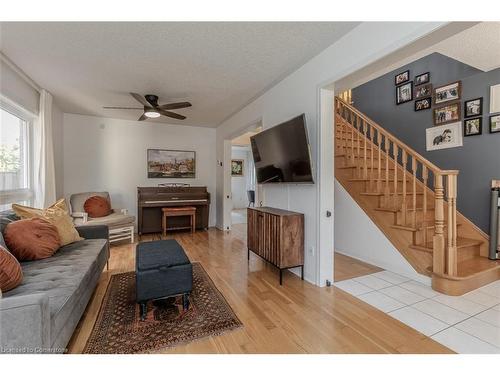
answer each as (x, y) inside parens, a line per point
(218, 67)
(478, 46)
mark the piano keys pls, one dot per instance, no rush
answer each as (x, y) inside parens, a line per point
(150, 201)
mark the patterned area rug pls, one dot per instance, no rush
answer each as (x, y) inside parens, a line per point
(118, 328)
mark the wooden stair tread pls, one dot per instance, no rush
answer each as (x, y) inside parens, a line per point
(405, 228)
(373, 179)
(414, 229)
(462, 242)
(375, 194)
(475, 265)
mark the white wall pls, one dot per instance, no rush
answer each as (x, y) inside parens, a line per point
(239, 184)
(300, 93)
(102, 154)
(358, 237)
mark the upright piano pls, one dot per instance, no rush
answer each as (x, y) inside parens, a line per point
(150, 201)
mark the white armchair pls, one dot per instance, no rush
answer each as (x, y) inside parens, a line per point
(119, 222)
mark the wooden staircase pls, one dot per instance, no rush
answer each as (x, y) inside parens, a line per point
(413, 202)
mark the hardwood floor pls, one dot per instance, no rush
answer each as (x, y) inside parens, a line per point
(346, 268)
(294, 318)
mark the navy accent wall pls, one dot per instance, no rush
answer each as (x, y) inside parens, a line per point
(478, 160)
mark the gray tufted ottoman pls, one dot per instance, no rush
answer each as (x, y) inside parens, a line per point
(162, 269)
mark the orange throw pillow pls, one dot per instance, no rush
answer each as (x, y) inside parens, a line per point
(97, 206)
(11, 273)
(31, 239)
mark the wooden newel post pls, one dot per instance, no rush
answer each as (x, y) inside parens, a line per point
(451, 253)
(438, 257)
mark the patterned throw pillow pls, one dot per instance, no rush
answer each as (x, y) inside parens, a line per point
(57, 214)
(97, 206)
(11, 273)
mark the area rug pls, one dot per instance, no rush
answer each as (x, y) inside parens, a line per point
(118, 328)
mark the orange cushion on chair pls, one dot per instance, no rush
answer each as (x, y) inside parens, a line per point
(97, 206)
(31, 239)
(11, 273)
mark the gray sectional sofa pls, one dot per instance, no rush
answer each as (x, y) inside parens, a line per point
(41, 314)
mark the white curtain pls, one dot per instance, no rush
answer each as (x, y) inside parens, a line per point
(251, 177)
(44, 172)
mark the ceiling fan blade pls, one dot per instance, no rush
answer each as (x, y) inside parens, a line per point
(175, 105)
(143, 117)
(123, 108)
(141, 99)
(171, 114)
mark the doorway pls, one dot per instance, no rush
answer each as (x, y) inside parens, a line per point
(243, 179)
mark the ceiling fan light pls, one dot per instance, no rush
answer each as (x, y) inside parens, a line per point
(151, 113)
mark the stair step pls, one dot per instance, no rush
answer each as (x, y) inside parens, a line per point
(373, 179)
(347, 167)
(375, 194)
(405, 228)
(413, 229)
(462, 242)
(394, 210)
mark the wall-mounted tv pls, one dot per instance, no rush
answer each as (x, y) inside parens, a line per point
(282, 154)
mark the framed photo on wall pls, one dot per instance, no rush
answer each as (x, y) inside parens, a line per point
(448, 93)
(444, 136)
(473, 107)
(423, 104)
(473, 126)
(237, 167)
(171, 163)
(423, 91)
(446, 114)
(495, 124)
(404, 93)
(495, 98)
(422, 78)
(402, 77)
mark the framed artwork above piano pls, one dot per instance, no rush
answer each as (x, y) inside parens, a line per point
(171, 163)
(150, 201)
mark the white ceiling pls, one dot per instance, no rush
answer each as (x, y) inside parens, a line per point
(478, 46)
(218, 67)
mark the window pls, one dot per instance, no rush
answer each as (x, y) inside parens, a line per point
(15, 157)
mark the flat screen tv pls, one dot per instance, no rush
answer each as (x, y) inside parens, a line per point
(281, 153)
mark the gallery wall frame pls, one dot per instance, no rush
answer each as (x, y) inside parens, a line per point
(422, 78)
(444, 136)
(404, 93)
(495, 124)
(495, 98)
(446, 114)
(402, 77)
(473, 126)
(448, 93)
(473, 107)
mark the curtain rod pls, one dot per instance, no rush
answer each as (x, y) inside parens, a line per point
(20, 72)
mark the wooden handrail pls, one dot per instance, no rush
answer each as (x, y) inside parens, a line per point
(367, 135)
(402, 145)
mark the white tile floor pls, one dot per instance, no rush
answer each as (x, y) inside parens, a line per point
(465, 324)
(239, 216)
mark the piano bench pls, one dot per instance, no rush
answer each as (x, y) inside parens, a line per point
(179, 211)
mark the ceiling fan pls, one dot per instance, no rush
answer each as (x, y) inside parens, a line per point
(152, 109)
